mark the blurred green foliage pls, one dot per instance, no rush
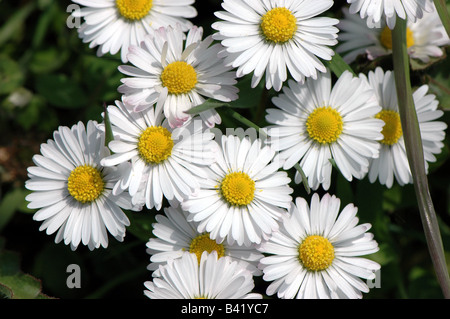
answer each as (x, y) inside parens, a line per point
(48, 77)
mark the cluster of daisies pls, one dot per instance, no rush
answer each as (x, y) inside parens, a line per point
(225, 207)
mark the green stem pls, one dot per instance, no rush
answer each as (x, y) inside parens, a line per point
(108, 129)
(235, 115)
(338, 66)
(304, 178)
(441, 9)
(414, 151)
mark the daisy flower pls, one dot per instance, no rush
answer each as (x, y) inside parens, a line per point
(272, 37)
(114, 25)
(174, 235)
(244, 195)
(316, 253)
(393, 161)
(180, 73)
(73, 192)
(315, 123)
(209, 277)
(424, 38)
(379, 10)
(165, 162)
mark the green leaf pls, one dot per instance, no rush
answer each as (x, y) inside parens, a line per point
(11, 76)
(19, 285)
(100, 77)
(48, 60)
(9, 204)
(60, 91)
(207, 105)
(29, 115)
(42, 25)
(417, 64)
(338, 66)
(14, 284)
(16, 22)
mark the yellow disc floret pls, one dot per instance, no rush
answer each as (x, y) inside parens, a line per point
(133, 9)
(238, 189)
(392, 129)
(179, 77)
(155, 144)
(85, 184)
(386, 38)
(316, 253)
(278, 25)
(203, 243)
(324, 125)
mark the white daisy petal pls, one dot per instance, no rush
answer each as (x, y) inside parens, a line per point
(177, 72)
(174, 235)
(376, 11)
(315, 121)
(303, 261)
(233, 204)
(116, 25)
(205, 276)
(71, 197)
(393, 162)
(157, 153)
(276, 50)
(425, 37)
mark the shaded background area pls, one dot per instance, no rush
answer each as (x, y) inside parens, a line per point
(48, 77)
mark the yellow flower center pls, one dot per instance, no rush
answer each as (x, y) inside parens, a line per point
(279, 25)
(386, 38)
(203, 243)
(316, 253)
(155, 144)
(85, 184)
(324, 125)
(133, 9)
(392, 129)
(238, 189)
(179, 77)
